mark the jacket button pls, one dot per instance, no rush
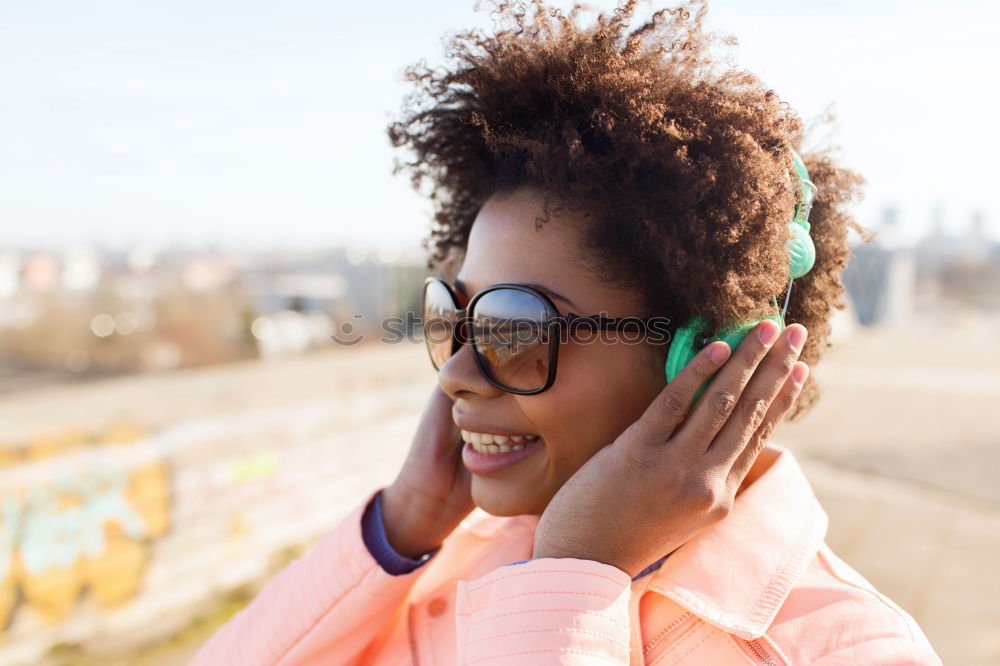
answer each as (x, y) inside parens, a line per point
(436, 606)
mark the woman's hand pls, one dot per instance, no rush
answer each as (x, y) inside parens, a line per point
(431, 494)
(662, 481)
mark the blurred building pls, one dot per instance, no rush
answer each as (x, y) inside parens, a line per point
(86, 311)
(881, 284)
(888, 280)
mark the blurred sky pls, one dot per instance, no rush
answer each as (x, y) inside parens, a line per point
(263, 123)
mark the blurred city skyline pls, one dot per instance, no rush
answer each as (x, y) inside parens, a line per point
(262, 125)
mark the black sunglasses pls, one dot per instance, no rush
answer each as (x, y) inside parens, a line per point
(515, 332)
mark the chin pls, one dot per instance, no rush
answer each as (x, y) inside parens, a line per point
(498, 499)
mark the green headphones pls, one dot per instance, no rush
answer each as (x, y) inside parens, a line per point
(802, 255)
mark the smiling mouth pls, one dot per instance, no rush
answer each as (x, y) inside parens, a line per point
(489, 443)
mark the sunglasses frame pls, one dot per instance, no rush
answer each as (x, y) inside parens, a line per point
(573, 321)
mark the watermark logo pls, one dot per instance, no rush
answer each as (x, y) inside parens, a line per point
(349, 333)
(514, 333)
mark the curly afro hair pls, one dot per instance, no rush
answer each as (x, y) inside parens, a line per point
(680, 160)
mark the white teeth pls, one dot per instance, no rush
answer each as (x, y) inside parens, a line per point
(489, 443)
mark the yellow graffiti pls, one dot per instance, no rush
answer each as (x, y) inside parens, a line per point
(87, 532)
(8, 596)
(57, 444)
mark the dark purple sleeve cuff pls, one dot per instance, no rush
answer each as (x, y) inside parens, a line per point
(373, 533)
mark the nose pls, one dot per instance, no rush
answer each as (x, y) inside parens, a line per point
(460, 377)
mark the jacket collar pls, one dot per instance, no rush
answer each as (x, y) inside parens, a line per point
(737, 573)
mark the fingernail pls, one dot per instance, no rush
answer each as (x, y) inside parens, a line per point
(768, 333)
(719, 353)
(799, 373)
(797, 337)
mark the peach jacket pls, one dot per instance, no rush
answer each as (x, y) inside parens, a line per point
(758, 587)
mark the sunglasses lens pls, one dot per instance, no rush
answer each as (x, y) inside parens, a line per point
(511, 332)
(439, 322)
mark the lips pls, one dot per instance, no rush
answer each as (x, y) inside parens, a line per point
(482, 454)
(487, 464)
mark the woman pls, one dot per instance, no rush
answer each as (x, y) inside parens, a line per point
(564, 501)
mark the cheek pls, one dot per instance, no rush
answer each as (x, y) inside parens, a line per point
(600, 390)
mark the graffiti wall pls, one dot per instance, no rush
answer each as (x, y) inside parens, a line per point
(88, 531)
(122, 528)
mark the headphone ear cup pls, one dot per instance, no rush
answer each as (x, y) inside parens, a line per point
(801, 251)
(682, 347)
(735, 336)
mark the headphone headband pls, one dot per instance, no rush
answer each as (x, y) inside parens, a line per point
(807, 192)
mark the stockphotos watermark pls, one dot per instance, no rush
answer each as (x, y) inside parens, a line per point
(513, 333)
